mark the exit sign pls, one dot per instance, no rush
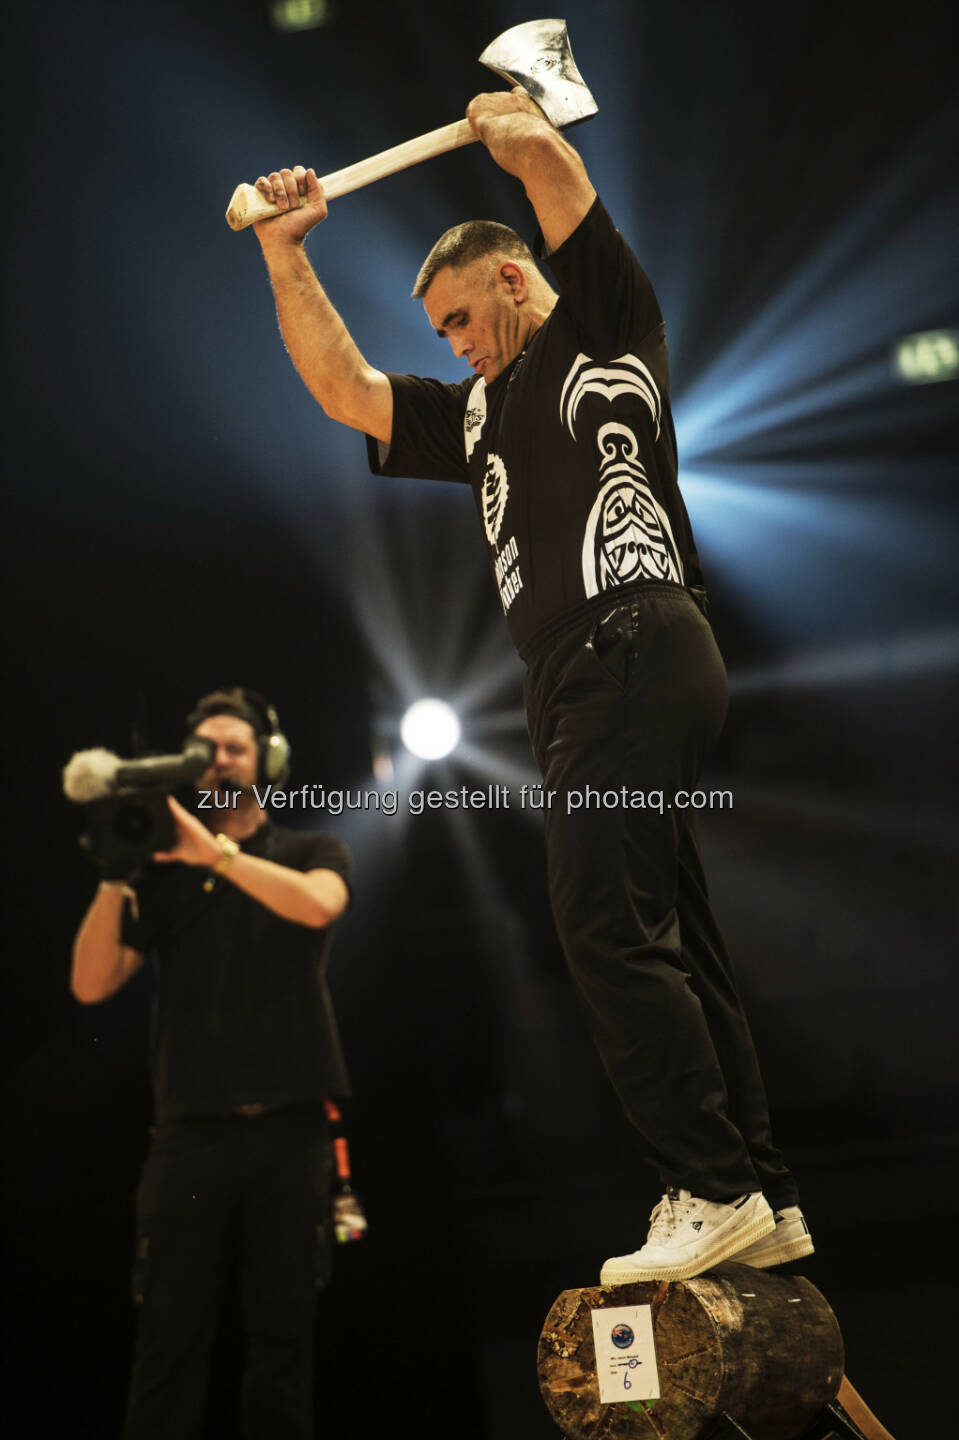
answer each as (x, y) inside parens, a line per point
(930, 355)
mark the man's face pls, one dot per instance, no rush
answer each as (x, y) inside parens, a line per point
(475, 309)
(237, 757)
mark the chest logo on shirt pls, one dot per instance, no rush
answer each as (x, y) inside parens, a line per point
(628, 535)
(475, 417)
(495, 493)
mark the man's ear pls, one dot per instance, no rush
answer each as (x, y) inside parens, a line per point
(512, 277)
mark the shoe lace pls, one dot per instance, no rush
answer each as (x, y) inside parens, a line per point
(667, 1216)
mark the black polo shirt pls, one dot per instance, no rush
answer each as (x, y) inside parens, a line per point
(242, 1014)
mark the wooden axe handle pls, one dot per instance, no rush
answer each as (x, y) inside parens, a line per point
(857, 1410)
(248, 205)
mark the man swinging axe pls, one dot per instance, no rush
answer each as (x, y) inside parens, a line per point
(563, 429)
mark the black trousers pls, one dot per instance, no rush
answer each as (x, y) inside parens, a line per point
(631, 696)
(215, 1193)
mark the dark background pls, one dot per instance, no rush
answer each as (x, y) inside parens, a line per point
(182, 514)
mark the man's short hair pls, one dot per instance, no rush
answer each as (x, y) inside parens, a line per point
(466, 243)
(229, 701)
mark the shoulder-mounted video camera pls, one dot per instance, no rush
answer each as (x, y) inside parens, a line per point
(126, 816)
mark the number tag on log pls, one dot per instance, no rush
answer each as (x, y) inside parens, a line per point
(625, 1354)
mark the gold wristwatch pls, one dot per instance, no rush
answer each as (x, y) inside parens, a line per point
(230, 849)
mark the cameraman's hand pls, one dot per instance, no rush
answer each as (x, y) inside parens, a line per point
(111, 870)
(194, 843)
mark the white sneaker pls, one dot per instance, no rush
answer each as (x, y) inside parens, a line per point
(688, 1236)
(790, 1240)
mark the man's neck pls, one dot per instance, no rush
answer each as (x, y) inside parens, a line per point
(540, 308)
(243, 820)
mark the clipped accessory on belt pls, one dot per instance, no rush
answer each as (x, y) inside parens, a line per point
(349, 1220)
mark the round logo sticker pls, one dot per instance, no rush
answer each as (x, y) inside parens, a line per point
(622, 1337)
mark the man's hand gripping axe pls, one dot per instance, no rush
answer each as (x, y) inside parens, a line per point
(535, 56)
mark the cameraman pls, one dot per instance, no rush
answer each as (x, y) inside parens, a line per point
(245, 1051)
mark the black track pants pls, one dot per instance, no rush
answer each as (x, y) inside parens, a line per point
(631, 697)
(218, 1192)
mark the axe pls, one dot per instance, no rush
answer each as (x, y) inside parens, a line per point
(535, 56)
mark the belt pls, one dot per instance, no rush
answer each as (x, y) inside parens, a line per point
(600, 605)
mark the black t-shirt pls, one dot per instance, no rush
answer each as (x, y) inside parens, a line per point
(571, 452)
(241, 1009)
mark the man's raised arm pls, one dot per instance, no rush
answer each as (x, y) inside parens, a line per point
(524, 144)
(320, 346)
(102, 964)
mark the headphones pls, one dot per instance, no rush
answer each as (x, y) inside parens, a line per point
(273, 748)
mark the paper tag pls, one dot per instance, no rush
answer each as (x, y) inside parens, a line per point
(625, 1354)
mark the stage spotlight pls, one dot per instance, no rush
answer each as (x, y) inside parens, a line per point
(430, 729)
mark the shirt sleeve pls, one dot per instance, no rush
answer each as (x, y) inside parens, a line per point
(143, 923)
(137, 933)
(603, 287)
(324, 852)
(428, 441)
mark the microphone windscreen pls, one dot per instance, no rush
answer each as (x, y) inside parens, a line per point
(90, 775)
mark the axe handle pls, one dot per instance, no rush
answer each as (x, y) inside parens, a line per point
(248, 205)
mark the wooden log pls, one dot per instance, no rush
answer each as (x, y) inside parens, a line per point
(762, 1348)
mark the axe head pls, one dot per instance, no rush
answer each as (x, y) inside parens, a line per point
(537, 56)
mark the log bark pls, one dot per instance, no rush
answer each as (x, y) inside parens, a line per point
(762, 1348)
